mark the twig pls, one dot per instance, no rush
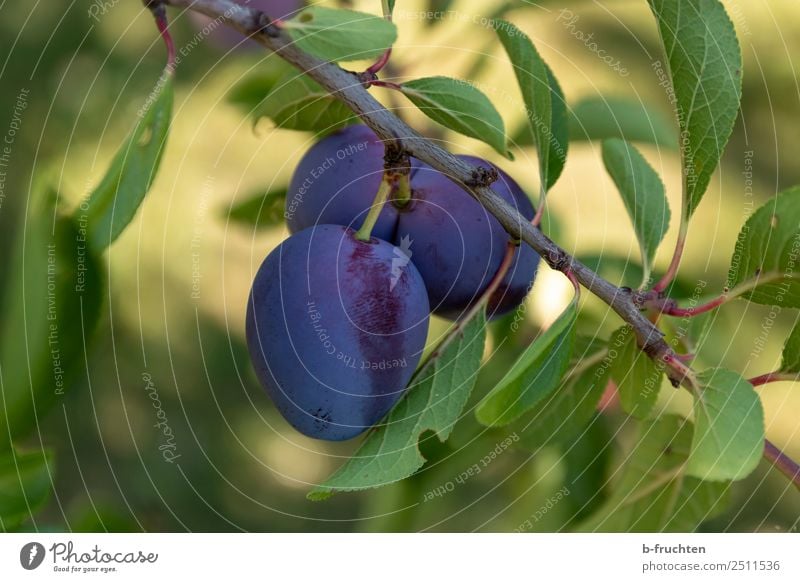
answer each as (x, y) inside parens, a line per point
(384, 84)
(479, 305)
(773, 377)
(670, 308)
(160, 15)
(675, 263)
(378, 65)
(784, 463)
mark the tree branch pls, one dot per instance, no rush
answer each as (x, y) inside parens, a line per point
(349, 88)
(346, 87)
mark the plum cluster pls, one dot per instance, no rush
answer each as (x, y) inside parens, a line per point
(336, 325)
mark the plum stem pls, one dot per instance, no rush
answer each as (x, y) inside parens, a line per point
(499, 275)
(778, 376)
(160, 16)
(669, 307)
(378, 65)
(479, 305)
(387, 10)
(365, 232)
(385, 84)
(494, 284)
(537, 219)
(783, 462)
(574, 280)
(403, 194)
(675, 263)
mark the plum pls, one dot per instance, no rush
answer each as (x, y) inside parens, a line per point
(335, 328)
(458, 246)
(225, 37)
(336, 182)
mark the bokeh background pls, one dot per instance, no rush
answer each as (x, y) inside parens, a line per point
(179, 276)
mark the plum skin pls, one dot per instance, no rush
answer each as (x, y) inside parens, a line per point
(335, 328)
(336, 181)
(458, 246)
(455, 243)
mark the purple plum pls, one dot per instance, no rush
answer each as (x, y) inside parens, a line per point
(455, 243)
(458, 246)
(335, 328)
(336, 182)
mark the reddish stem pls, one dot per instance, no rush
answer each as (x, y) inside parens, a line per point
(693, 311)
(673, 266)
(574, 280)
(763, 379)
(385, 84)
(160, 15)
(376, 67)
(772, 377)
(462, 322)
(537, 219)
(783, 462)
(502, 270)
(511, 248)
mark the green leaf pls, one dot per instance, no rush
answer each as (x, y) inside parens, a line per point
(249, 93)
(534, 83)
(563, 416)
(638, 377)
(767, 253)
(341, 35)
(113, 204)
(587, 459)
(559, 141)
(729, 427)
(597, 118)
(388, 8)
(791, 352)
(653, 493)
(259, 210)
(433, 402)
(460, 107)
(643, 194)
(51, 308)
(297, 102)
(535, 374)
(705, 64)
(542, 127)
(25, 484)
